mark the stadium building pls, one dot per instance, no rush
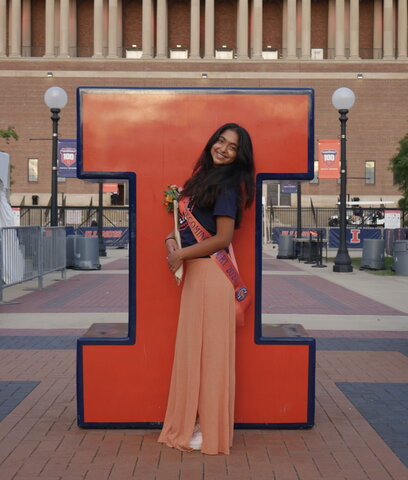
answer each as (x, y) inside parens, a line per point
(319, 44)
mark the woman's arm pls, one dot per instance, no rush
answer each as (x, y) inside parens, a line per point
(170, 242)
(222, 239)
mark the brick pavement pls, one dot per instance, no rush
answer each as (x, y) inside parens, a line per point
(86, 292)
(309, 294)
(360, 375)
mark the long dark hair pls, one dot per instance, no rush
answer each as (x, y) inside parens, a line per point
(208, 180)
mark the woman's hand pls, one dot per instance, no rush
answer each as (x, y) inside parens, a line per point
(175, 260)
(171, 245)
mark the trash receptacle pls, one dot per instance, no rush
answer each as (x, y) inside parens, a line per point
(373, 254)
(286, 248)
(400, 255)
(86, 253)
(70, 250)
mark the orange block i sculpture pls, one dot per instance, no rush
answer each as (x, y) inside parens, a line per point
(152, 138)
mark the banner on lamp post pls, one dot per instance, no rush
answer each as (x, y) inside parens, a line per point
(67, 157)
(329, 159)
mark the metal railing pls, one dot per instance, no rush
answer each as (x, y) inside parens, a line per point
(74, 216)
(27, 253)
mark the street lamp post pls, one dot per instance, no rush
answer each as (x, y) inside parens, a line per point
(343, 99)
(55, 98)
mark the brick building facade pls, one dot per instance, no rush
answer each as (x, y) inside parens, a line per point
(320, 44)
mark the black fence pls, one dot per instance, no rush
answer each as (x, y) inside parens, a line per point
(273, 216)
(74, 216)
(325, 217)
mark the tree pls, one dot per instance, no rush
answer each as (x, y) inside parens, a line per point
(399, 166)
(9, 134)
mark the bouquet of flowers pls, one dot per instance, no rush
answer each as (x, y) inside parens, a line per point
(171, 193)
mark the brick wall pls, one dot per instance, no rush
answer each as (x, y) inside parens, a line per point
(179, 23)
(37, 29)
(226, 24)
(272, 24)
(132, 23)
(376, 123)
(85, 28)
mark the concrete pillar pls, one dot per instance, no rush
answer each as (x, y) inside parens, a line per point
(331, 29)
(388, 53)
(209, 50)
(3, 28)
(284, 28)
(242, 29)
(257, 30)
(147, 28)
(26, 30)
(195, 29)
(162, 30)
(402, 29)
(354, 29)
(120, 30)
(49, 28)
(291, 30)
(377, 30)
(113, 29)
(64, 29)
(15, 50)
(340, 43)
(73, 28)
(306, 29)
(98, 29)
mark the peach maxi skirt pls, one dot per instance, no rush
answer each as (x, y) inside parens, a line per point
(203, 376)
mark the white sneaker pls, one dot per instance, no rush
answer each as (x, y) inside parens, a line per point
(196, 440)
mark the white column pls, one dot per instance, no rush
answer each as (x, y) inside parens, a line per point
(354, 29)
(162, 29)
(388, 30)
(26, 30)
(15, 50)
(257, 29)
(3, 28)
(291, 30)
(377, 30)
(331, 29)
(306, 29)
(284, 28)
(120, 29)
(402, 29)
(242, 29)
(98, 29)
(209, 50)
(113, 29)
(340, 44)
(147, 28)
(195, 29)
(64, 29)
(73, 28)
(49, 28)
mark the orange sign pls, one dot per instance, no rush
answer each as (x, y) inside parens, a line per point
(329, 159)
(152, 138)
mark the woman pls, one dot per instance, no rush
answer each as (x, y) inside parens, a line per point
(200, 410)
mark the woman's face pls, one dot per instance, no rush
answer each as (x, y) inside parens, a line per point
(225, 149)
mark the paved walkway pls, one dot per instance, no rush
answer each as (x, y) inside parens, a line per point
(360, 321)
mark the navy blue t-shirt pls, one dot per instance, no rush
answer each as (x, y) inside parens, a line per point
(225, 206)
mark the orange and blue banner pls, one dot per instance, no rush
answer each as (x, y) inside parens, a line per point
(329, 159)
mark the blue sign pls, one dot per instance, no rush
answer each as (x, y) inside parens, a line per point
(354, 236)
(289, 188)
(67, 157)
(112, 236)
